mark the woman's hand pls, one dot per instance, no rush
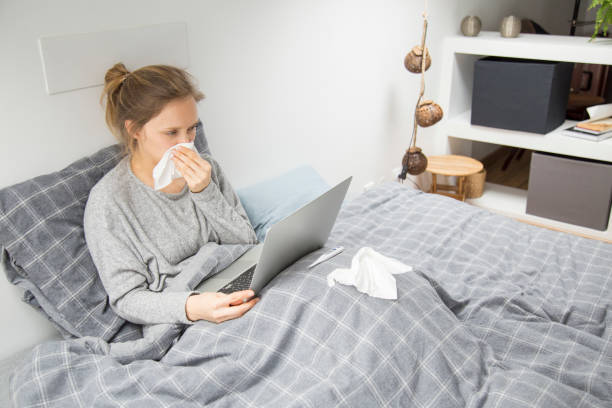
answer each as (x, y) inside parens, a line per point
(219, 307)
(195, 170)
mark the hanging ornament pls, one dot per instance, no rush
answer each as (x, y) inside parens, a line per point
(414, 59)
(428, 113)
(414, 162)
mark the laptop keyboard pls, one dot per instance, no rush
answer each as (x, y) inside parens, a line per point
(241, 282)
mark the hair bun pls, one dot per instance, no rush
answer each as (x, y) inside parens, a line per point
(112, 82)
(117, 71)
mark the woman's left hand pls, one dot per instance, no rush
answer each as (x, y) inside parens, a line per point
(195, 170)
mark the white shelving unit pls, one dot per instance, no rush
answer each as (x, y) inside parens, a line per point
(456, 133)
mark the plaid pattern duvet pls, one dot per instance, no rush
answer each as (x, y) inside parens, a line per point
(496, 314)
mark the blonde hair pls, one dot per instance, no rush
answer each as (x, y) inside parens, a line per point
(140, 95)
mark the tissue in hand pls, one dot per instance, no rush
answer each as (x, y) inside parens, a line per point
(370, 273)
(165, 171)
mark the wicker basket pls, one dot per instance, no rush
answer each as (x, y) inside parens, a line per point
(474, 184)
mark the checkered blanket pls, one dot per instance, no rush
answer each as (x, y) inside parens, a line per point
(496, 313)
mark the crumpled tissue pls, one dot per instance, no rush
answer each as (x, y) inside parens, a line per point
(370, 273)
(165, 171)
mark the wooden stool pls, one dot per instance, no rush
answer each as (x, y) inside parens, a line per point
(451, 165)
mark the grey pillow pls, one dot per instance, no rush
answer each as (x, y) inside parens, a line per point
(44, 251)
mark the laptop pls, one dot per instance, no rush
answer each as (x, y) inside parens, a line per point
(302, 232)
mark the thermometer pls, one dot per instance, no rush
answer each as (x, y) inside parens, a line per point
(328, 255)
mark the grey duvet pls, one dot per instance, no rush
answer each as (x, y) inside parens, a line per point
(495, 314)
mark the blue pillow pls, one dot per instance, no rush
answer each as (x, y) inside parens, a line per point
(270, 201)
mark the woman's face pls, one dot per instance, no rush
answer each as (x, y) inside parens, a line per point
(176, 123)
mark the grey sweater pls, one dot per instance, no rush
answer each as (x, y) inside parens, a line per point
(140, 239)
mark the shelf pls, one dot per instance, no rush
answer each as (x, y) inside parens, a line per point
(460, 127)
(535, 46)
(455, 132)
(512, 202)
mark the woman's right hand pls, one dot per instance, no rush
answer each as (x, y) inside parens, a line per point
(218, 307)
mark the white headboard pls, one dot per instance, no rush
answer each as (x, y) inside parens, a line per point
(76, 61)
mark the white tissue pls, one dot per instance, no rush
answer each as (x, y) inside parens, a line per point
(370, 273)
(165, 171)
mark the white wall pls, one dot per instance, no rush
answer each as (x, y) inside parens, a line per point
(287, 82)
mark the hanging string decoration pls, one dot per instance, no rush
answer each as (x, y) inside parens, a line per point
(426, 113)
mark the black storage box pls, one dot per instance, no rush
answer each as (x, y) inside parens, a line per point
(518, 94)
(572, 190)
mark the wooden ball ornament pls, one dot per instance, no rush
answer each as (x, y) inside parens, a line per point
(428, 113)
(470, 26)
(413, 59)
(414, 162)
(510, 27)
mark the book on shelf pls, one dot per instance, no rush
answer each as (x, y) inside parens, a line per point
(597, 128)
(575, 131)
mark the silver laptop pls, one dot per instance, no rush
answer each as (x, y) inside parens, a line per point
(302, 232)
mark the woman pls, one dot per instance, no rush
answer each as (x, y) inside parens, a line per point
(139, 237)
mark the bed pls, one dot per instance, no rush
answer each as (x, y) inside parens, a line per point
(495, 313)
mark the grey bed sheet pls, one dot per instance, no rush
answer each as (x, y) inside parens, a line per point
(496, 314)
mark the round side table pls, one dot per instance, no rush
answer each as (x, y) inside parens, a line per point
(451, 165)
